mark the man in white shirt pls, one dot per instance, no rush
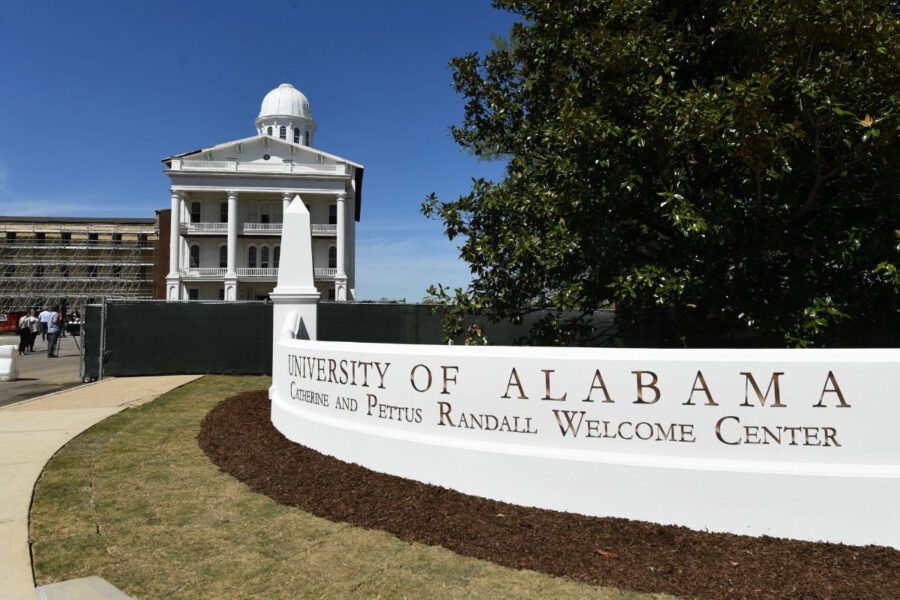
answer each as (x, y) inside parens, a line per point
(44, 318)
(53, 328)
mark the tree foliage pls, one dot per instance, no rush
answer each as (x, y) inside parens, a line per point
(709, 167)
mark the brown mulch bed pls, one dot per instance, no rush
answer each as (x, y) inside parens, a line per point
(238, 436)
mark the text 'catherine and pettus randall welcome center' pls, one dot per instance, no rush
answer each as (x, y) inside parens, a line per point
(228, 203)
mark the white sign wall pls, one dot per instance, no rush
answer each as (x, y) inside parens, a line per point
(789, 443)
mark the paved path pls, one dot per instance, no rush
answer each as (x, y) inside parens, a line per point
(30, 433)
(40, 375)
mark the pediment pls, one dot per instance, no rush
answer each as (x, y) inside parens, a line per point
(264, 149)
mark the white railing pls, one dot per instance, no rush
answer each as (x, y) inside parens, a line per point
(258, 167)
(322, 228)
(204, 164)
(266, 167)
(204, 272)
(204, 227)
(262, 227)
(256, 272)
(322, 273)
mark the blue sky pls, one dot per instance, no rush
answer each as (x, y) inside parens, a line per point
(94, 94)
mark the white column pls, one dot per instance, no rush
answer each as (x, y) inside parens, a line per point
(285, 202)
(173, 283)
(174, 234)
(340, 282)
(231, 252)
(232, 232)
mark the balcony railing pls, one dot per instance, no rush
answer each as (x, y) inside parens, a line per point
(320, 273)
(258, 167)
(262, 227)
(204, 272)
(204, 228)
(322, 229)
(257, 272)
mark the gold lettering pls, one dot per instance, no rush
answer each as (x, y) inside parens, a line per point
(773, 385)
(412, 378)
(444, 408)
(547, 395)
(830, 434)
(598, 384)
(447, 378)
(836, 389)
(719, 431)
(703, 388)
(514, 380)
(641, 386)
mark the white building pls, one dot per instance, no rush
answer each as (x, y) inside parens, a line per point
(228, 201)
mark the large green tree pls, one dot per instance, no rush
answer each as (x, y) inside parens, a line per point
(710, 167)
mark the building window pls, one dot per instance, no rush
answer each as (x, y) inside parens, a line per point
(282, 132)
(221, 293)
(92, 239)
(66, 236)
(64, 270)
(195, 257)
(142, 272)
(9, 271)
(264, 257)
(195, 212)
(117, 239)
(331, 295)
(193, 294)
(296, 135)
(307, 138)
(223, 257)
(264, 214)
(92, 271)
(268, 131)
(39, 271)
(142, 239)
(223, 212)
(10, 236)
(251, 257)
(117, 270)
(332, 214)
(39, 238)
(332, 257)
(276, 256)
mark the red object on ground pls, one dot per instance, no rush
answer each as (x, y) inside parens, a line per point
(9, 322)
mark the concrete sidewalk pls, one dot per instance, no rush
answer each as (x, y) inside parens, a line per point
(30, 433)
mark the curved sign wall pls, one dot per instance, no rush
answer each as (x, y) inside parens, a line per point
(790, 443)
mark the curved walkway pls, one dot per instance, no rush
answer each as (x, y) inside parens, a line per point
(30, 434)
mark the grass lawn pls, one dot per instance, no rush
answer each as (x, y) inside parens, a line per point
(135, 501)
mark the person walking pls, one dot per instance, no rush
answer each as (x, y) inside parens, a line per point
(35, 324)
(24, 334)
(53, 326)
(44, 318)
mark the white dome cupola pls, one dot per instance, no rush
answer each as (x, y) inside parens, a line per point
(285, 114)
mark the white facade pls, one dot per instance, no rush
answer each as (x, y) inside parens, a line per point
(228, 203)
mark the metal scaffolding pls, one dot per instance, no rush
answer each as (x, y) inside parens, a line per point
(74, 266)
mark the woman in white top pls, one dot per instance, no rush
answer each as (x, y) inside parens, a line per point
(35, 325)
